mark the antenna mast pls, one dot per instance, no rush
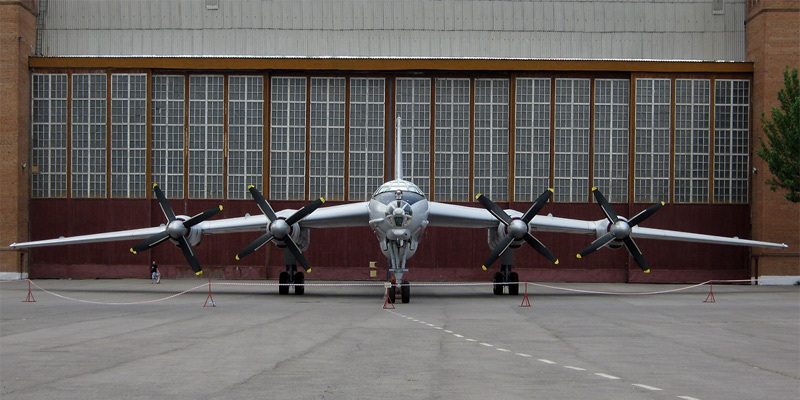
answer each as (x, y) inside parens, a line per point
(398, 160)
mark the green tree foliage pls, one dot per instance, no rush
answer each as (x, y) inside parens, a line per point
(782, 151)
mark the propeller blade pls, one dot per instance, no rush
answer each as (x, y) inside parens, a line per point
(536, 244)
(597, 244)
(497, 251)
(644, 214)
(494, 209)
(303, 212)
(537, 205)
(150, 242)
(202, 216)
(255, 245)
(637, 255)
(298, 255)
(605, 206)
(162, 201)
(188, 253)
(262, 203)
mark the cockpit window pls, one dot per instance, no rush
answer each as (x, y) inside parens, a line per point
(394, 186)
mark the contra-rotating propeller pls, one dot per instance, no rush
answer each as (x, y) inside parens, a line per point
(516, 228)
(279, 228)
(620, 230)
(176, 230)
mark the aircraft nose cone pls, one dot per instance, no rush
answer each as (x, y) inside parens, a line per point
(620, 230)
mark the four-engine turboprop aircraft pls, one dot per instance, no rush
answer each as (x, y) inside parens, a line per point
(398, 213)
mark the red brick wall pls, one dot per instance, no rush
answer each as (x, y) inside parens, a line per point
(773, 42)
(17, 43)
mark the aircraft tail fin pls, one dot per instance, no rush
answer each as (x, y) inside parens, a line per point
(398, 161)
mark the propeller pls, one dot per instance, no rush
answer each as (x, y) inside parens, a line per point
(279, 228)
(516, 228)
(620, 230)
(176, 230)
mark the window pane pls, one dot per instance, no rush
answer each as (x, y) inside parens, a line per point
(611, 116)
(167, 134)
(452, 138)
(651, 172)
(413, 105)
(491, 138)
(572, 140)
(245, 134)
(532, 138)
(367, 136)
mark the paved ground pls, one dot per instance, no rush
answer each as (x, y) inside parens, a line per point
(454, 342)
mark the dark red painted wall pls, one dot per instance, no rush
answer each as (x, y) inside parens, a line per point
(444, 254)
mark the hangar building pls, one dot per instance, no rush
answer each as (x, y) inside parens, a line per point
(647, 100)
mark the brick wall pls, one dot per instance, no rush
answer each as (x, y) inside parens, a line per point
(773, 42)
(17, 43)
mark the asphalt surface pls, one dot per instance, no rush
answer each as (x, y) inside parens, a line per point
(450, 342)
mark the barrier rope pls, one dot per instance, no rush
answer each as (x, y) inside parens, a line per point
(113, 303)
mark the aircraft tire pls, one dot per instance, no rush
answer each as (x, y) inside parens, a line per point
(392, 294)
(299, 279)
(283, 279)
(513, 287)
(405, 292)
(498, 284)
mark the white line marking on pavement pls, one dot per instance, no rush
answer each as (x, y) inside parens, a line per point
(487, 344)
(606, 375)
(523, 355)
(504, 350)
(653, 388)
(457, 335)
(471, 340)
(546, 361)
(448, 331)
(575, 368)
(687, 398)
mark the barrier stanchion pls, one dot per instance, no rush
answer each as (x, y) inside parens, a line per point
(210, 299)
(710, 297)
(525, 301)
(388, 303)
(30, 298)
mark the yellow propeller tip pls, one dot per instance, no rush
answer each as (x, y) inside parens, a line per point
(322, 199)
(477, 196)
(594, 188)
(551, 190)
(578, 255)
(250, 187)
(556, 262)
(483, 267)
(647, 271)
(237, 257)
(663, 203)
(308, 271)
(198, 273)
(133, 251)
(220, 207)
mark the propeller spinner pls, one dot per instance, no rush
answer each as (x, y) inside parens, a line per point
(176, 230)
(620, 230)
(516, 228)
(279, 228)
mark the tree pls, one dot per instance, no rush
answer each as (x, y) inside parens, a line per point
(782, 153)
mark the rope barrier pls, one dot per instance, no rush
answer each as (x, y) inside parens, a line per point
(113, 303)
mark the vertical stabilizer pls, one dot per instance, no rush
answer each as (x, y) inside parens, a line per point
(398, 150)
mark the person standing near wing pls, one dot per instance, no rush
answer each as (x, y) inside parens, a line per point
(155, 274)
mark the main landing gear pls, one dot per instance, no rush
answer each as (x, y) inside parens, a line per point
(292, 277)
(506, 278)
(405, 292)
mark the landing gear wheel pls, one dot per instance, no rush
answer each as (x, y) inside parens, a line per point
(299, 280)
(498, 283)
(392, 294)
(513, 284)
(283, 280)
(405, 292)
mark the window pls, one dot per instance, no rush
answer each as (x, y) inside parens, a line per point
(572, 140)
(414, 107)
(731, 146)
(128, 135)
(288, 138)
(651, 172)
(167, 151)
(491, 138)
(245, 134)
(692, 133)
(206, 137)
(327, 138)
(451, 140)
(89, 135)
(611, 116)
(367, 136)
(49, 135)
(532, 138)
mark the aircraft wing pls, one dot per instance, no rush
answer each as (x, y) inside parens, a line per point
(457, 216)
(132, 234)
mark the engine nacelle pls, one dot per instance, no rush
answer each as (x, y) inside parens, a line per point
(603, 228)
(496, 234)
(300, 236)
(195, 234)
